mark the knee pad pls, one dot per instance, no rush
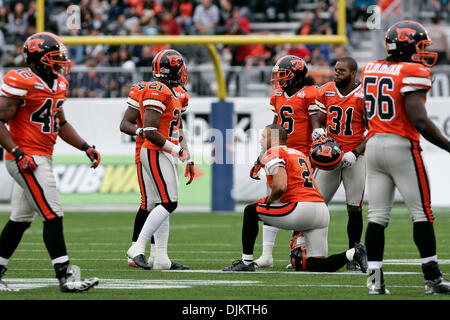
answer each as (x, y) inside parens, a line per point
(170, 206)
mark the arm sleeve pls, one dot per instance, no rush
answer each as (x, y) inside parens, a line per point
(133, 99)
(14, 86)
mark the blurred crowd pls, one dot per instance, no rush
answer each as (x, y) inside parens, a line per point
(175, 17)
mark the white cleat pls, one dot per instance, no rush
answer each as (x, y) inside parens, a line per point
(161, 263)
(264, 262)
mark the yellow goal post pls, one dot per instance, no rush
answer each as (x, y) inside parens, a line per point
(206, 40)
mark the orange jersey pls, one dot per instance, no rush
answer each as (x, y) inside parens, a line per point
(171, 103)
(293, 114)
(35, 126)
(345, 115)
(385, 84)
(300, 187)
(134, 97)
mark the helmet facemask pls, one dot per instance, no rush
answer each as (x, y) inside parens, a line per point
(280, 77)
(58, 62)
(427, 58)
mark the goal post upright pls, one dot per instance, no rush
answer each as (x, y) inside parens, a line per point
(219, 171)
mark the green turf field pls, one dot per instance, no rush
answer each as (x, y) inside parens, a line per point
(207, 242)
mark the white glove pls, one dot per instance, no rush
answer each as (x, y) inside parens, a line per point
(348, 159)
(318, 132)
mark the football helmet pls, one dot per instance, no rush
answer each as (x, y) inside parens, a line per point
(169, 67)
(326, 153)
(406, 41)
(47, 54)
(298, 252)
(288, 71)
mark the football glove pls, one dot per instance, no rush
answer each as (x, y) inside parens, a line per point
(190, 171)
(184, 155)
(24, 161)
(92, 154)
(318, 132)
(348, 159)
(298, 252)
(255, 169)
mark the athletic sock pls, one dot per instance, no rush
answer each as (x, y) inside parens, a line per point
(141, 217)
(154, 220)
(54, 238)
(354, 228)
(161, 234)
(10, 238)
(247, 258)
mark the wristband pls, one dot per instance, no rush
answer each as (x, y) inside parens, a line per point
(356, 153)
(85, 146)
(172, 147)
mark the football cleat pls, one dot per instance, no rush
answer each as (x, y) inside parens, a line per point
(176, 266)
(239, 265)
(3, 286)
(131, 263)
(437, 286)
(360, 256)
(141, 262)
(162, 263)
(290, 266)
(264, 262)
(73, 283)
(353, 266)
(375, 282)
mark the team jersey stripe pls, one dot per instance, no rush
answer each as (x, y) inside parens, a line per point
(13, 91)
(154, 103)
(314, 108)
(412, 89)
(142, 188)
(417, 81)
(38, 196)
(133, 103)
(283, 210)
(157, 176)
(274, 163)
(424, 186)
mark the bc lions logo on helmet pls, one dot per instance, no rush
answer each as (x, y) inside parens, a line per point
(174, 60)
(33, 45)
(299, 64)
(403, 34)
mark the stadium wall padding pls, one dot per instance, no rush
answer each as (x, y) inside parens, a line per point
(97, 121)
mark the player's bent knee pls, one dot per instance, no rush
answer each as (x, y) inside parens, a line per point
(378, 218)
(170, 206)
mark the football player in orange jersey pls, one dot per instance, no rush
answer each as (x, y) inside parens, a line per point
(131, 124)
(294, 203)
(395, 91)
(345, 123)
(31, 104)
(293, 102)
(161, 106)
